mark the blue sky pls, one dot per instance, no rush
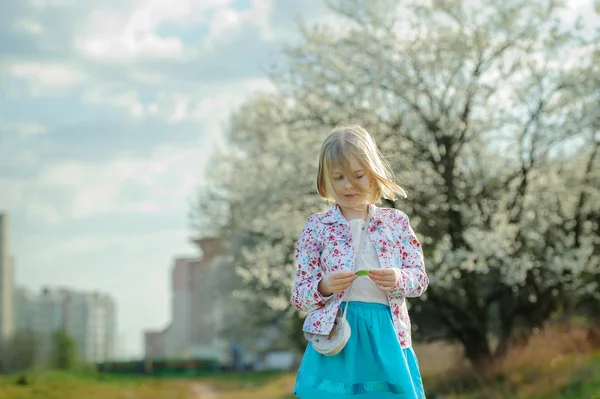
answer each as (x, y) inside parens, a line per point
(108, 112)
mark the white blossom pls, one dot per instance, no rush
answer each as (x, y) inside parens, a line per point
(491, 131)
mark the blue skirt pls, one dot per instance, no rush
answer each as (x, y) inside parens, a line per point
(373, 365)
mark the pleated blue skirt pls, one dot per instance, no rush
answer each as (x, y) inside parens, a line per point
(373, 365)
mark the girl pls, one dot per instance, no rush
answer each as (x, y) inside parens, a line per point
(378, 361)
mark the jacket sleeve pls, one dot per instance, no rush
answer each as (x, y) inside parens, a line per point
(305, 293)
(412, 280)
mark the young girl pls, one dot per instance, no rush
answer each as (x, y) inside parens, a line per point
(378, 361)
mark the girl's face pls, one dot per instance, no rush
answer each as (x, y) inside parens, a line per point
(346, 195)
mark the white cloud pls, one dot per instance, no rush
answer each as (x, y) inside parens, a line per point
(223, 19)
(164, 179)
(111, 36)
(23, 129)
(43, 212)
(226, 98)
(29, 26)
(13, 193)
(67, 191)
(180, 109)
(131, 33)
(124, 98)
(62, 175)
(52, 3)
(207, 103)
(227, 21)
(116, 50)
(81, 245)
(47, 75)
(89, 201)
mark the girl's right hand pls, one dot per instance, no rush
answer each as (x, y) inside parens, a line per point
(336, 282)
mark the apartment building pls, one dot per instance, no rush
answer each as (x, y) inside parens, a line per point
(88, 317)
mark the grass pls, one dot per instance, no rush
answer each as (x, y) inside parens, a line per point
(557, 363)
(574, 379)
(275, 387)
(62, 385)
(59, 385)
(560, 362)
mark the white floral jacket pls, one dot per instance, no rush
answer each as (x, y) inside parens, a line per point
(325, 245)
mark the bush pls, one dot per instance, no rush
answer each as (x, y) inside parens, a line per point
(20, 352)
(64, 351)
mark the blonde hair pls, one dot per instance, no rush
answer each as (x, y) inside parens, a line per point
(354, 140)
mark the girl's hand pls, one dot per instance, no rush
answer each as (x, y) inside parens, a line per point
(385, 278)
(336, 282)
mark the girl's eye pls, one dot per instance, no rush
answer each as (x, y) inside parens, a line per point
(360, 177)
(338, 178)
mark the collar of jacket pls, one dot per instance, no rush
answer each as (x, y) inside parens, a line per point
(334, 215)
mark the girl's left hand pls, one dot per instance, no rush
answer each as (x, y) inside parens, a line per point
(385, 278)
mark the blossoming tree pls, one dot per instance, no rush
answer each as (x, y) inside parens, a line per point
(488, 111)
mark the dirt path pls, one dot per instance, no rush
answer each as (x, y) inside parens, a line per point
(203, 391)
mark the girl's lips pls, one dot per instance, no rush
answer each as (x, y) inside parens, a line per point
(350, 195)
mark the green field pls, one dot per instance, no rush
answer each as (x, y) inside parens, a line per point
(573, 377)
(558, 363)
(58, 385)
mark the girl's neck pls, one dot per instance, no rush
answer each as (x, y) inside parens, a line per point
(355, 213)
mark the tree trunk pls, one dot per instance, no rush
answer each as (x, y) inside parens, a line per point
(477, 350)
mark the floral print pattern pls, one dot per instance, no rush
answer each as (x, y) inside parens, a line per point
(325, 245)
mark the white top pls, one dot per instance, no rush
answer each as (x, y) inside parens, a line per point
(363, 289)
